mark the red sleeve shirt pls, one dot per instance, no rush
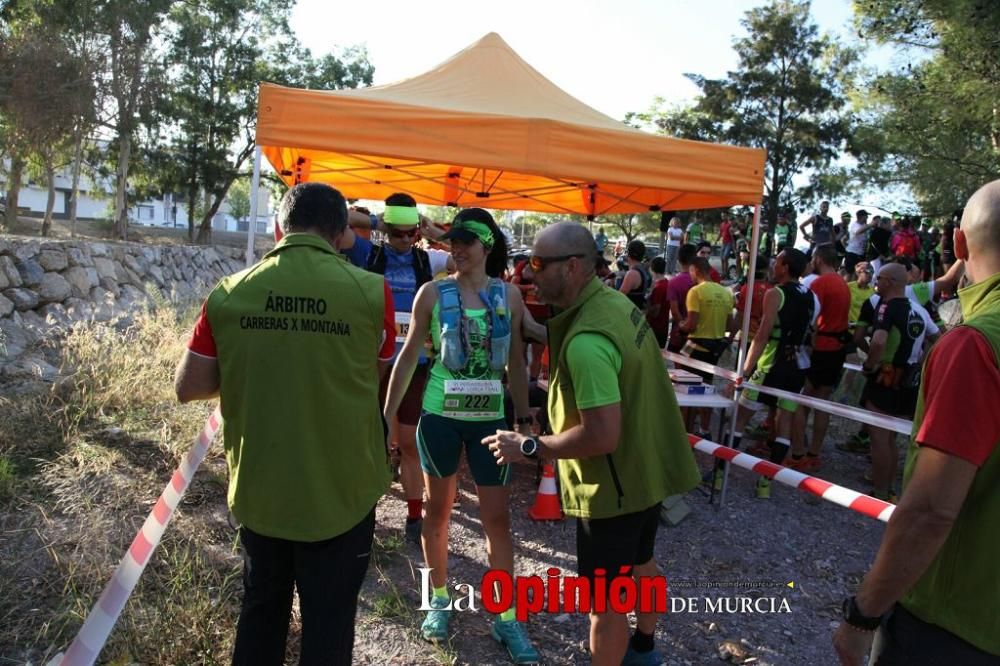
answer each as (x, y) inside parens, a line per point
(202, 341)
(961, 383)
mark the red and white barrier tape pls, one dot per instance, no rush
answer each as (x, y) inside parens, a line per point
(852, 499)
(102, 618)
(884, 421)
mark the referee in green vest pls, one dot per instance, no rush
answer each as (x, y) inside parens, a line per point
(291, 346)
(933, 593)
(619, 438)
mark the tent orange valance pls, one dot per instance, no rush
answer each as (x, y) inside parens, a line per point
(485, 129)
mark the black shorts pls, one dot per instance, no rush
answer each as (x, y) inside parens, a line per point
(410, 407)
(895, 402)
(785, 376)
(909, 641)
(710, 357)
(826, 368)
(613, 543)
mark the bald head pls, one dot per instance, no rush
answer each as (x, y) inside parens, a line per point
(891, 281)
(981, 220)
(565, 238)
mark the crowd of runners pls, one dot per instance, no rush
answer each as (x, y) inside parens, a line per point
(865, 290)
(432, 344)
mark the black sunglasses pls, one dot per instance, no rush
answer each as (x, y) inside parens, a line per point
(539, 263)
(404, 233)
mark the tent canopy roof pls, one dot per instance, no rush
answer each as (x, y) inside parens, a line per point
(484, 128)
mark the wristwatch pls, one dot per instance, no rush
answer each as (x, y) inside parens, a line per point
(529, 447)
(853, 616)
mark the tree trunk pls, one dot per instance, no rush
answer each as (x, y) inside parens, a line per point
(13, 190)
(75, 188)
(192, 205)
(205, 229)
(121, 193)
(50, 203)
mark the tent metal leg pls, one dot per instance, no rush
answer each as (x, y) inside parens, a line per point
(252, 223)
(744, 342)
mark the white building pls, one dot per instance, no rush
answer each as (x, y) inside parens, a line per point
(95, 201)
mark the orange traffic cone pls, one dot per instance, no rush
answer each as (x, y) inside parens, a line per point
(547, 500)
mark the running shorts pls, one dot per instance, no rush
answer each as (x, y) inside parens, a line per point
(613, 543)
(440, 441)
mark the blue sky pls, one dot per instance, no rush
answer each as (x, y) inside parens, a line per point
(615, 56)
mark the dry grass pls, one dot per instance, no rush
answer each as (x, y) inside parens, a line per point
(80, 467)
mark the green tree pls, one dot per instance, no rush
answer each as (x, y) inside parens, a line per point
(129, 29)
(238, 200)
(933, 123)
(221, 50)
(631, 225)
(45, 95)
(787, 95)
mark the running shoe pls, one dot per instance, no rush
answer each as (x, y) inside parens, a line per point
(513, 636)
(412, 530)
(633, 658)
(761, 450)
(806, 464)
(435, 626)
(763, 488)
(757, 431)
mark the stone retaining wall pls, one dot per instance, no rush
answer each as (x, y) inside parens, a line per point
(48, 283)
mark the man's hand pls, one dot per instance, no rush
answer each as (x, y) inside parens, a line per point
(852, 645)
(506, 446)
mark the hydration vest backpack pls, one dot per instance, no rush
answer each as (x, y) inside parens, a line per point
(454, 353)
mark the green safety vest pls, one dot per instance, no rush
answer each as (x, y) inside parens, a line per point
(781, 233)
(298, 336)
(653, 459)
(960, 590)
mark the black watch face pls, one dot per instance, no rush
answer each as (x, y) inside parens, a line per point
(529, 446)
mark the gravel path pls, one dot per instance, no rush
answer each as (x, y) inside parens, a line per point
(822, 548)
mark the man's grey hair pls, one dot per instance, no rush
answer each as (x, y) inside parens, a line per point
(576, 239)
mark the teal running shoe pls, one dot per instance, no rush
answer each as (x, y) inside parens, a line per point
(513, 636)
(435, 626)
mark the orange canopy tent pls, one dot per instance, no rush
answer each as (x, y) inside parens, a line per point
(485, 129)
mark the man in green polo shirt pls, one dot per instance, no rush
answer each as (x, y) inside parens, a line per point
(933, 592)
(619, 437)
(291, 346)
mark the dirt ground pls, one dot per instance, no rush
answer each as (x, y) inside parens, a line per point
(749, 548)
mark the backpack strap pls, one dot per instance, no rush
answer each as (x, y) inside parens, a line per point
(421, 266)
(376, 259)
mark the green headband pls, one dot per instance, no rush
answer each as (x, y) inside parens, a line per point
(403, 216)
(481, 231)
